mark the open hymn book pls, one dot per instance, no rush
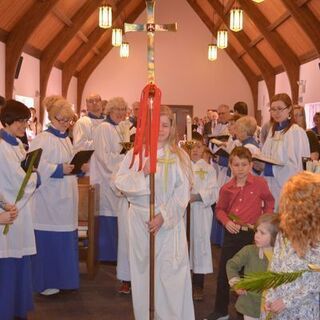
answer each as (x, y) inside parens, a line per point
(262, 158)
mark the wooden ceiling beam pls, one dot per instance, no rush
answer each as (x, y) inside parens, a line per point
(251, 78)
(19, 36)
(226, 11)
(301, 3)
(86, 71)
(70, 66)
(306, 20)
(263, 64)
(288, 58)
(62, 17)
(51, 52)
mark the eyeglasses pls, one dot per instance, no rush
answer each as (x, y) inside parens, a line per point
(63, 120)
(277, 109)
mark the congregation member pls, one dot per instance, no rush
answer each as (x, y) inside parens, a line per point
(85, 126)
(134, 114)
(104, 164)
(210, 128)
(204, 194)
(241, 202)
(55, 215)
(316, 128)
(300, 118)
(286, 143)
(297, 247)
(18, 244)
(173, 291)
(34, 126)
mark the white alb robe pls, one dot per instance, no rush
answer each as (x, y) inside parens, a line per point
(173, 292)
(83, 133)
(56, 200)
(205, 184)
(104, 163)
(20, 239)
(288, 148)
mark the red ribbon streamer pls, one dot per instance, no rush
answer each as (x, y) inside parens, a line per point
(148, 127)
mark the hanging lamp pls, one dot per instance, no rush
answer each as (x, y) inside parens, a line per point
(222, 39)
(258, 1)
(212, 52)
(116, 37)
(124, 50)
(105, 16)
(236, 19)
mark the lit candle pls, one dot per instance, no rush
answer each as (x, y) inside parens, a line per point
(189, 128)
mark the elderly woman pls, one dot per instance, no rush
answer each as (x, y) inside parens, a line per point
(55, 266)
(300, 118)
(286, 143)
(104, 163)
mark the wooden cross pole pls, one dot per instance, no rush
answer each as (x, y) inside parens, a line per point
(151, 27)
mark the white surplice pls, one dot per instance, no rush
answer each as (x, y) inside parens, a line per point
(83, 133)
(56, 200)
(288, 148)
(104, 163)
(173, 292)
(20, 240)
(205, 184)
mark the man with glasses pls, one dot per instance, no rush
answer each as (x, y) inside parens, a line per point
(84, 127)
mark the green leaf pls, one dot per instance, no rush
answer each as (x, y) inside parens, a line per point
(260, 281)
(23, 185)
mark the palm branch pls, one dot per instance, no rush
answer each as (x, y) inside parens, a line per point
(260, 281)
(23, 184)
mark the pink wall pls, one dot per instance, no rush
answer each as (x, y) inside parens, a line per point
(309, 72)
(183, 71)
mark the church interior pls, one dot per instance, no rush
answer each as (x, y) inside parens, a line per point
(68, 48)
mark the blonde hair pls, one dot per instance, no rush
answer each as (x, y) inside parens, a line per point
(115, 103)
(58, 105)
(173, 143)
(300, 211)
(272, 223)
(247, 124)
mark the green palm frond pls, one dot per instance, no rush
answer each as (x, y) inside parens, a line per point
(23, 184)
(260, 281)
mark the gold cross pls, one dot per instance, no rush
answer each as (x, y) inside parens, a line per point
(202, 173)
(151, 28)
(166, 161)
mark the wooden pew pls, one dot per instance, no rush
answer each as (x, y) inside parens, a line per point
(88, 225)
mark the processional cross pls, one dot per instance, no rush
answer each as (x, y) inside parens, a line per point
(148, 124)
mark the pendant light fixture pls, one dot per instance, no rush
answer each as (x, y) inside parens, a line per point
(105, 16)
(212, 52)
(222, 39)
(258, 1)
(124, 50)
(116, 37)
(236, 19)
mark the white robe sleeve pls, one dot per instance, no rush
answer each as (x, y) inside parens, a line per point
(173, 209)
(295, 146)
(209, 189)
(46, 167)
(131, 182)
(82, 139)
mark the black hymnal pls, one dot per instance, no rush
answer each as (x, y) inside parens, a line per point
(79, 159)
(222, 153)
(26, 162)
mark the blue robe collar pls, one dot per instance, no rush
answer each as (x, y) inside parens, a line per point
(109, 120)
(282, 125)
(56, 132)
(250, 140)
(93, 116)
(8, 138)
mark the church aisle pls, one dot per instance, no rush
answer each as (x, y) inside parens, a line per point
(98, 299)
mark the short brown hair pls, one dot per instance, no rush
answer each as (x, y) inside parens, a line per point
(240, 152)
(272, 221)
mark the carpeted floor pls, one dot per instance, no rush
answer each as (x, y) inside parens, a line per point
(98, 299)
